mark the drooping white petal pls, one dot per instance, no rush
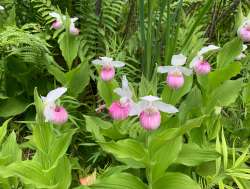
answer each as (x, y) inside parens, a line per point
(137, 108)
(124, 82)
(120, 92)
(1, 8)
(194, 61)
(185, 70)
(55, 94)
(97, 62)
(150, 98)
(208, 48)
(117, 64)
(241, 56)
(48, 112)
(164, 69)
(178, 60)
(244, 47)
(55, 15)
(165, 107)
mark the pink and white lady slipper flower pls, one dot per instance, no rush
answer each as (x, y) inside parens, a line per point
(52, 112)
(244, 30)
(108, 67)
(119, 110)
(73, 30)
(175, 78)
(149, 109)
(201, 66)
(58, 23)
(242, 55)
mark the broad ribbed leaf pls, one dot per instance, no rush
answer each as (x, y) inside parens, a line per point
(193, 155)
(3, 130)
(128, 151)
(175, 181)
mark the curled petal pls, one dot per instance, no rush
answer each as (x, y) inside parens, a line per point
(55, 94)
(165, 107)
(185, 70)
(165, 69)
(150, 98)
(178, 60)
(208, 48)
(118, 64)
(124, 82)
(48, 112)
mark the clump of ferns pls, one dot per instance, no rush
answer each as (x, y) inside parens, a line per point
(14, 41)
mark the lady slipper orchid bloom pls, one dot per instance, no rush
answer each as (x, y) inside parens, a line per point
(88, 180)
(108, 67)
(73, 30)
(52, 112)
(244, 30)
(201, 66)
(119, 110)
(1, 8)
(175, 78)
(58, 23)
(149, 109)
(242, 55)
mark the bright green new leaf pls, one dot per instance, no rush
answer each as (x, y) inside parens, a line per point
(175, 181)
(129, 151)
(193, 155)
(3, 130)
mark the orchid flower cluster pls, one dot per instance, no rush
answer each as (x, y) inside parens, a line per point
(148, 108)
(175, 79)
(52, 112)
(58, 23)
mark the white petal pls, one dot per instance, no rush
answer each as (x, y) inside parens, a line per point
(120, 92)
(124, 82)
(55, 15)
(150, 98)
(241, 56)
(1, 7)
(185, 70)
(97, 62)
(137, 108)
(207, 49)
(55, 94)
(48, 112)
(72, 20)
(244, 47)
(194, 61)
(106, 59)
(178, 60)
(165, 107)
(165, 69)
(117, 64)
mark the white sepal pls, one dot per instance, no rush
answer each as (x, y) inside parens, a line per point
(53, 95)
(1, 8)
(97, 62)
(185, 71)
(164, 69)
(150, 98)
(208, 48)
(117, 64)
(55, 15)
(178, 60)
(168, 108)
